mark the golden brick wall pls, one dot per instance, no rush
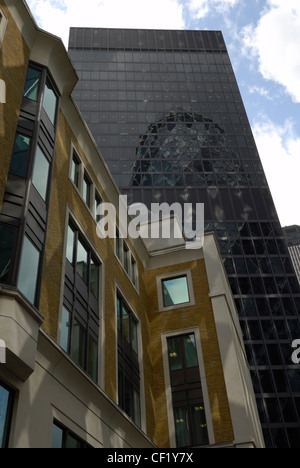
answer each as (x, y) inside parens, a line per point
(200, 315)
(14, 57)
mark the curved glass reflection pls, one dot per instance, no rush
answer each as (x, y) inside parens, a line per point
(184, 148)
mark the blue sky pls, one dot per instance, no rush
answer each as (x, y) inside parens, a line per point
(262, 37)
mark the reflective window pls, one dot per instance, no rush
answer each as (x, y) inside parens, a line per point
(28, 273)
(50, 102)
(175, 291)
(32, 84)
(65, 330)
(6, 402)
(41, 173)
(19, 159)
(82, 261)
(86, 190)
(79, 344)
(75, 170)
(62, 438)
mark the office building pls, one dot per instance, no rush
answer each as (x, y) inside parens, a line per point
(104, 342)
(165, 109)
(292, 237)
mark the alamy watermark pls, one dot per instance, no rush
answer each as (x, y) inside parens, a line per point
(296, 354)
(162, 221)
(2, 92)
(2, 352)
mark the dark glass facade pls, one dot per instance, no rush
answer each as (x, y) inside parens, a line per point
(166, 112)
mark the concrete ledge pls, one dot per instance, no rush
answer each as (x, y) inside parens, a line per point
(19, 328)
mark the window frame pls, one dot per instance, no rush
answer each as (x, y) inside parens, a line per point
(168, 388)
(131, 266)
(160, 280)
(88, 318)
(8, 416)
(66, 433)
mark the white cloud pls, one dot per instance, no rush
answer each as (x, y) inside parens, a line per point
(275, 42)
(201, 8)
(57, 16)
(261, 91)
(279, 149)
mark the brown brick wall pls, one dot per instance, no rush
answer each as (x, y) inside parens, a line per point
(201, 315)
(14, 57)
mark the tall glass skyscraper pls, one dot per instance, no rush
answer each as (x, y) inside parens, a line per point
(167, 114)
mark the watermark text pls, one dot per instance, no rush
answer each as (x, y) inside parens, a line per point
(296, 354)
(2, 352)
(2, 92)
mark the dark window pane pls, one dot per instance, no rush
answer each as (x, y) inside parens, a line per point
(7, 239)
(87, 191)
(175, 291)
(28, 273)
(75, 171)
(175, 354)
(50, 102)
(32, 84)
(79, 344)
(41, 173)
(93, 360)
(20, 156)
(190, 351)
(200, 426)
(182, 427)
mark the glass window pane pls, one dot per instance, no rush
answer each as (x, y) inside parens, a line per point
(87, 191)
(134, 338)
(137, 408)
(72, 442)
(94, 282)
(32, 84)
(190, 351)
(75, 171)
(200, 426)
(50, 102)
(79, 344)
(5, 403)
(41, 173)
(93, 360)
(7, 239)
(20, 156)
(82, 261)
(70, 245)
(175, 354)
(65, 330)
(125, 324)
(182, 427)
(128, 398)
(175, 291)
(29, 270)
(57, 437)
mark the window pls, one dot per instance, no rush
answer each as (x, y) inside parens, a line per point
(75, 170)
(98, 201)
(79, 334)
(87, 190)
(32, 84)
(128, 364)
(7, 242)
(20, 154)
(127, 259)
(41, 170)
(187, 395)
(6, 406)
(175, 291)
(50, 102)
(62, 438)
(29, 268)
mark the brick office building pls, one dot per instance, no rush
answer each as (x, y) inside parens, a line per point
(108, 342)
